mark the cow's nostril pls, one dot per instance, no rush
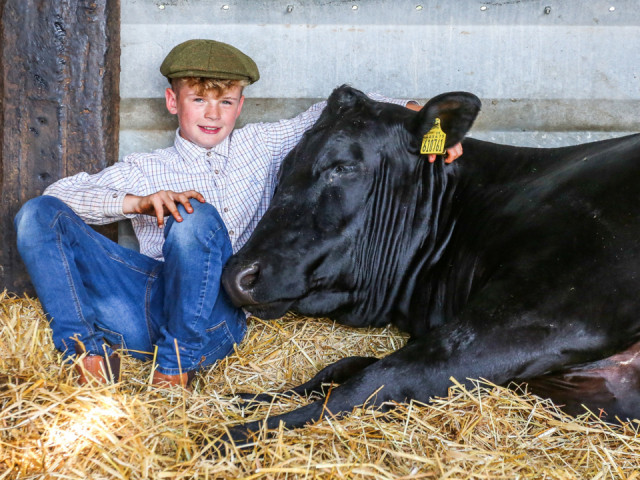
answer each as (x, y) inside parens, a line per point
(239, 282)
(248, 278)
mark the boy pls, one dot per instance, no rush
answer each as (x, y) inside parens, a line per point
(213, 185)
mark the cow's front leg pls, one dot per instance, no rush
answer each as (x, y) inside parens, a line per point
(422, 369)
(370, 383)
(366, 380)
(336, 373)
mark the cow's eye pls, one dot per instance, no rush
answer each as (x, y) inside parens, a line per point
(343, 169)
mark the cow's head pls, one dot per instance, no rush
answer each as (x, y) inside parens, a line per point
(342, 227)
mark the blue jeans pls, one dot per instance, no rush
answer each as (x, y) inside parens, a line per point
(102, 293)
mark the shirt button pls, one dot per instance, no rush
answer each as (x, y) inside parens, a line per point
(115, 195)
(208, 154)
(226, 209)
(216, 172)
(231, 232)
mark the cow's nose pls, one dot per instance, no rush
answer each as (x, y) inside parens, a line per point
(239, 283)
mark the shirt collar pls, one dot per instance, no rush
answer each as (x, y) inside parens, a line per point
(191, 152)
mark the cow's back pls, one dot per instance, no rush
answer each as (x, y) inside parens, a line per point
(555, 194)
(561, 227)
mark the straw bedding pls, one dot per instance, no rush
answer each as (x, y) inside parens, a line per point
(51, 428)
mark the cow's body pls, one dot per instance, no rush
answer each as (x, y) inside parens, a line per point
(510, 264)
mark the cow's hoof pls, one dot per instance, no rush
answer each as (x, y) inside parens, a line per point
(235, 440)
(239, 437)
(257, 397)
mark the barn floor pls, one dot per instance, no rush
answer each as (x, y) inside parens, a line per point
(50, 428)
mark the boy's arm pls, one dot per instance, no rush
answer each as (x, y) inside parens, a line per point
(98, 198)
(118, 192)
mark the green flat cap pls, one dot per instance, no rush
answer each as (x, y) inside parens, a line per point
(210, 59)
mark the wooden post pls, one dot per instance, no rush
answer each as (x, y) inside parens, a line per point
(59, 78)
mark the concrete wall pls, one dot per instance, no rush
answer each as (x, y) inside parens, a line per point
(549, 72)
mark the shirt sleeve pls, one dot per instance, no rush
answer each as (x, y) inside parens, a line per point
(98, 198)
(282, 136)
(381, 98)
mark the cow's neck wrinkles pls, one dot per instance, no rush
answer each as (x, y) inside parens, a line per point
(419, 209)
(452, 249)
(434, 223)
(381, 254)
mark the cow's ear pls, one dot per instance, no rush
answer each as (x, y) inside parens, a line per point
(344, 98)
(456, 111)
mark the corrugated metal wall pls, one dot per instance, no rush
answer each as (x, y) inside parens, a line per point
(548, 72)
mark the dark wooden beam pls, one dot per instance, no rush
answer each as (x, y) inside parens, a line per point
(59, 78)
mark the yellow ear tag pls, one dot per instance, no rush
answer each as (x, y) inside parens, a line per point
(433, 141)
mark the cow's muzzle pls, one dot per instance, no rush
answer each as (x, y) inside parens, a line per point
(239, 281)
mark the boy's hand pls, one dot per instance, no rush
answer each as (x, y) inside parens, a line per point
(161, 203)
(452, 153)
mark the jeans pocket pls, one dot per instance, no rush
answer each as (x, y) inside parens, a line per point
(113, 338)
(219, 343)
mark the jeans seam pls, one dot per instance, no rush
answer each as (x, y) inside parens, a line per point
(203, 289)
(71, 283)
(153, 276)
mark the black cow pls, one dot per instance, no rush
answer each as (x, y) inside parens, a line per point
(510, 264)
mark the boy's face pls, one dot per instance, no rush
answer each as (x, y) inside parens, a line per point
(205, 120)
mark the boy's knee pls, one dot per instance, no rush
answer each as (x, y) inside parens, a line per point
(200, 222)
(200, 231)
(37, 212)
(200, 211)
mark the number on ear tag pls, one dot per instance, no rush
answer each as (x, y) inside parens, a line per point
(433, 141)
